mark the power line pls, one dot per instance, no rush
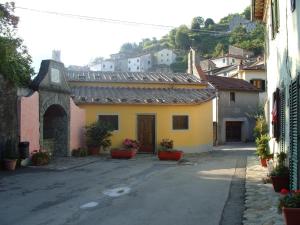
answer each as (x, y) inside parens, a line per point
(116, 21)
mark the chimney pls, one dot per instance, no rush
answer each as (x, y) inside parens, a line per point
(56, 55)
(194, 65)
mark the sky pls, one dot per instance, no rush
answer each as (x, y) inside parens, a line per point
(82, 40)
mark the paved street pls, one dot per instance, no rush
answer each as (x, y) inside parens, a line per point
(129, 192)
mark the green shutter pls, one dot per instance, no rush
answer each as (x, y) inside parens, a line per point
(294, 134)
(282, 121)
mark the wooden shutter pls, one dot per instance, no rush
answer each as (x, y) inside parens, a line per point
(294, 134)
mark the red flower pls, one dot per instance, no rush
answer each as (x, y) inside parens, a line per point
(284, 191)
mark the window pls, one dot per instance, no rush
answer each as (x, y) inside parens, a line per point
(180, 122)
(103, 65)
(259, 84)
(129, 69)
(149, 62)
(293, 5)
(224, 60)
(137, 60)
(232, 97)
(275, 17)
(111, 66)
(137, 67)
(129, 62)
(233, 60)
(113, 120)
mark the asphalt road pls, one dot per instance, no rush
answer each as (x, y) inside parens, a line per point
(205, 189)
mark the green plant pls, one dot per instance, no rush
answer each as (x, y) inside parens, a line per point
(261, 127)
(10, 149)
(262, 143)
(281, 158)
(289, 200)
(80, 152)
(166, 144)
(280, 171)
(98, 134)
(40, 158)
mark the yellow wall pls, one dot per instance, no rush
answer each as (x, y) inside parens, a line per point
(197, 138)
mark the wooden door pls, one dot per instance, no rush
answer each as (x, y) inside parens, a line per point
(233, 131)
(146, 133)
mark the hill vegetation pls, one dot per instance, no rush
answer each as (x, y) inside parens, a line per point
(207, 37)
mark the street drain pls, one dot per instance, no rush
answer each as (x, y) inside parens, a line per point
(116, 192)
(89, 205)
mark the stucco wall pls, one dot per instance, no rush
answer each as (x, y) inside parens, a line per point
(245, 105)
(29, 121)
(198, 138)
(283, 59)
(77, 123)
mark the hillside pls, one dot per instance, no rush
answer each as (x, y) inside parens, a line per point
(207, 37)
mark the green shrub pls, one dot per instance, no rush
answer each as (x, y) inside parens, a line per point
(98, 134)
(280, 171)
(80, 152)
(40, 158)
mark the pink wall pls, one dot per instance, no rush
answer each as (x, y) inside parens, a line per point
(29, 121)
(77, 124)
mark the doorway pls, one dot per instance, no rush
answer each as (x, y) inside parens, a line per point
(233, 131)
(55, 131)
(146, 133)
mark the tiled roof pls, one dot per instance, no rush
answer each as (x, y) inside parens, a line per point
(125, 95)
(132, 77)
(228, 84)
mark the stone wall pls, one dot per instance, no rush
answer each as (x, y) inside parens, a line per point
(8, 113)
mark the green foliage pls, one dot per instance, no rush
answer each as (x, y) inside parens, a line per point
(182, 38)
(129, 48)
(247, 13)
(262, 143)
(15, 62)
(80, 152)
(197, 23)
(98, 134)
(40, 158)
(281, 157)
(261, 127)
(219, 50)
(291, 200)
(280, 171)
(227, 19)
(10, 149)
(209, 22)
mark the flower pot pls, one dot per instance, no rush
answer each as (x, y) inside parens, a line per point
(170, 155)
(123, 153)
(10, 164)
(263, 162)
(291, 216)
(94, 150)
(280, 182)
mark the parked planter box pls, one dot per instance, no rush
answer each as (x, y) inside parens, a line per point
(170, 155)
(291, 216)
(10, 164)
(280, 183)
(263, 162)
(94, 150)
(123, 153)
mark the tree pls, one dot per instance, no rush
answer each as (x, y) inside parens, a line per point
(197, 23)
(182, 38)
(15, 62)
(247, 13)
(208, 22)
(130, 48)
(219, 50)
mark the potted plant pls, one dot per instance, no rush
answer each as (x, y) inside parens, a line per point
(280, 174)
(80, 152)
(10, 155)
(167, 152)
(128, 151)
(262, 149)
(289, 205)
(40, 158)
(98, 134)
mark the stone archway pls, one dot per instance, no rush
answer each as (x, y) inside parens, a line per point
(55, 130)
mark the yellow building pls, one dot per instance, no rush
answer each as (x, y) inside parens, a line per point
(148, 107)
